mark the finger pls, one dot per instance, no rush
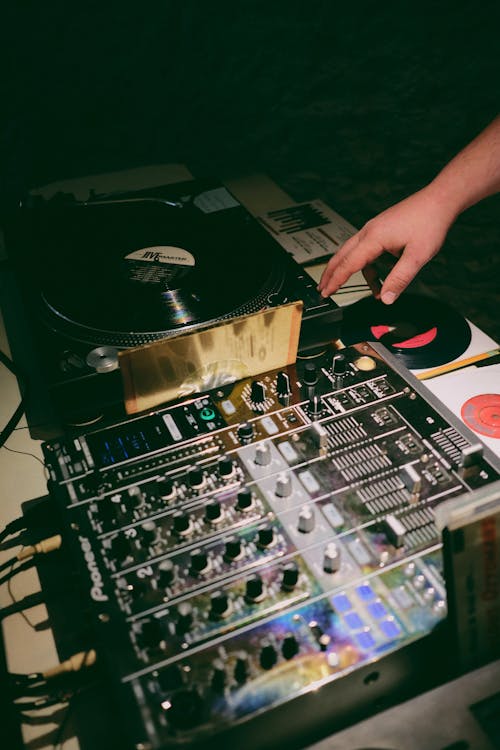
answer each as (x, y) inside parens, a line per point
(336, 259)
(401, 275)
(353, 260)
(372, 279)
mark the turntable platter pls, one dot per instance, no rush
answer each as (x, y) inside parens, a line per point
(124, 274)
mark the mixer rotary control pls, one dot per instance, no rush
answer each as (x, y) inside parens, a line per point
(268, 656)
(241, 668)
(213, 511)
(199, 561)
(164, 488)
(181, 523)
(310, 376)
(283, 485)
(290, 576)
(219, 605)
(233, 548)
(121, 547)
(283, 384)
(135, 497)
(149, 532)
(258, 392)
(254, 588)
(245, 432)
(339, 365)
(151, 633)
(195, 476)
(245, 499)
(265, 536)
(315, 407)
(226, 466)
(290, 646)
(331, 558)
(219, 675)
(307, 520)
(262, 454)
(184, 618)
(166, 573)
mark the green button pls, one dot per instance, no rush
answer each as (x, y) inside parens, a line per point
(207, 414)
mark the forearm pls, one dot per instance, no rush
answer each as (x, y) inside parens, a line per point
(473, 174)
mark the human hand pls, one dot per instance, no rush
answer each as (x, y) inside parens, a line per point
(412, 230)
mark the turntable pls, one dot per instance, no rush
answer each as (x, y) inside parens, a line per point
(122, 270)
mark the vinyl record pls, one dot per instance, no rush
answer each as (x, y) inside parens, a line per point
(473, 394)
(125, 274)
(420, 331)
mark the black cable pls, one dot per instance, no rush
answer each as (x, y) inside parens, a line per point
(19, 411)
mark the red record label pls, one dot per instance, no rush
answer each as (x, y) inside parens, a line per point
(421, 339)
(482, 414)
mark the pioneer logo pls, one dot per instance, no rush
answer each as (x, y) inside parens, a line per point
(97, 589)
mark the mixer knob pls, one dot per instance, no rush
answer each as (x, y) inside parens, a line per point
(185, 709)
(219, 675)
(241, 668)
(166, 573)
(195, 476)
(290, 576)
(108, 510)
(226, 466)
(149, 532)
(339, 365)
(268, 656)
(121, 547)
(262, 454)
(283, 384)
(245, 432)
(213, 511)
(254, 588)
(265, 536)
(331, 558)
(258, 392)
(181, 522)
(171, 678)
(184, 618)
(199, 561)
(233, 548)
(151, 633)
(138, 587)
(283, 485)
(310, 376)
(135, 497)
(219, 605)
(314, 407)
(290, 646)
(307, 520)
(164, 488)
(245, 499)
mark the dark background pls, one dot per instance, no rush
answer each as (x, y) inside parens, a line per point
(357, 103)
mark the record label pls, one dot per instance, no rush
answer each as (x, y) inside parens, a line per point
(421, 331)
(163, 254)
(482, 414)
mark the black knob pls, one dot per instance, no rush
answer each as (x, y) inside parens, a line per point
(219, 675)
(148, 532)
(314, 406)
(151, 633)
(185, 709)
(233, 548)
(184, 618)
(138, 587)
(245, 499)
(268, 656)
(283, 384)
(258, 392)
(339, 364)
(181, 522)
(171, 678)
(213, 511)
(135, 498)
(195, 476)
(164, 488)
(310, 376)
(199, 561)
(226, 466)
(265, 536)
(254, 588)
(166, 573)
(108, 510)
(219, 605)
(241, 668)
(121, 547)
(290, 576)
(245, 432)
(290, 646)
